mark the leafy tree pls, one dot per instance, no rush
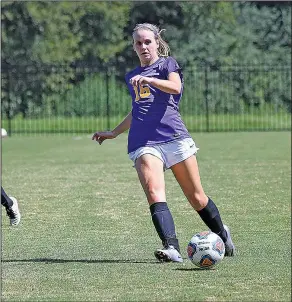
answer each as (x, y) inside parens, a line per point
(46, 33)
(45, 43)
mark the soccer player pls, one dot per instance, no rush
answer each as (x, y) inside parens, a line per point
(11, 206)
(158, 140)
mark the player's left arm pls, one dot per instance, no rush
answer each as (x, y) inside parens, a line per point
(172, 85)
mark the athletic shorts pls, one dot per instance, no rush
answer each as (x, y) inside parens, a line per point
(169, 153)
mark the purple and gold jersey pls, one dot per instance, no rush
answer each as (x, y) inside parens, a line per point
(155, 115)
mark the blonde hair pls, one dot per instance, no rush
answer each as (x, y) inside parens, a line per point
(163, 48)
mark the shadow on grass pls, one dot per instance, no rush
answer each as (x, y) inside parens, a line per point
(50, 260)
(193, 269)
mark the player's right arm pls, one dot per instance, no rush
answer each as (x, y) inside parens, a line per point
(122, 127)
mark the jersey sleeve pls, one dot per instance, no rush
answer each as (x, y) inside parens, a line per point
(171, 65)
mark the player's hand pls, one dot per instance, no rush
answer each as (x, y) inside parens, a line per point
(101, 136)
(140, 80)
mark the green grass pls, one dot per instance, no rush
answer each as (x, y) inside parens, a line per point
(86, 233)
(264, 121)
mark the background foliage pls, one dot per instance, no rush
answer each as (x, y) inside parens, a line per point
(47, 46)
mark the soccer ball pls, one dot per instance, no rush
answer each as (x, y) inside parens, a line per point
(3, 132)
(206, 249)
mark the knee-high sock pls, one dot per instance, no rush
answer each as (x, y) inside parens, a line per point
(211, 216)
(164, 224)
(5, 200)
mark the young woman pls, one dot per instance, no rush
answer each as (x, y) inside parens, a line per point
(158, 140)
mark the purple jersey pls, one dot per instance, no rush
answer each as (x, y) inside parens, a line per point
(155, 115)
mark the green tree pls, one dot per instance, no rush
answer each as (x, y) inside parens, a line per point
(46, 33)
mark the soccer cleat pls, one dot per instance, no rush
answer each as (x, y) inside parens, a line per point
(229, 246)
(169, 254)
(13, 212)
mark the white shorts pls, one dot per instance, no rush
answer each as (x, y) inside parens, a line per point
(169, 153)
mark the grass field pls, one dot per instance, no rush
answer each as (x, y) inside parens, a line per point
(86, 233)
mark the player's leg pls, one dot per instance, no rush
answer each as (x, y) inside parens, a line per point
(188, 177)
(151, 176)
(11, 206)
(5, 200)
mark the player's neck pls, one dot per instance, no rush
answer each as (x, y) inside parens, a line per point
(144, 64)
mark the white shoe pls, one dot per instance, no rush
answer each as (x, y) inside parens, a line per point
(13, 212)
(229, 246)
(169, 254)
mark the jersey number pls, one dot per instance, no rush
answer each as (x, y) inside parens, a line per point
(144, 92)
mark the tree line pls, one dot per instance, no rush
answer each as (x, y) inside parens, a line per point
(40, 37)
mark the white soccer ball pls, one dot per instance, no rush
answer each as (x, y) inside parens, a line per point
(3, 132)
(206, 249)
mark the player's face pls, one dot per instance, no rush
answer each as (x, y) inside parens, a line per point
(145, 46)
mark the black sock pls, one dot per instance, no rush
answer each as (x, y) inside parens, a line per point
(210, 215)
(5, 200)
(164, 224)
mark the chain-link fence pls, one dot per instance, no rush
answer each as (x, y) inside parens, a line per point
(62, 99)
